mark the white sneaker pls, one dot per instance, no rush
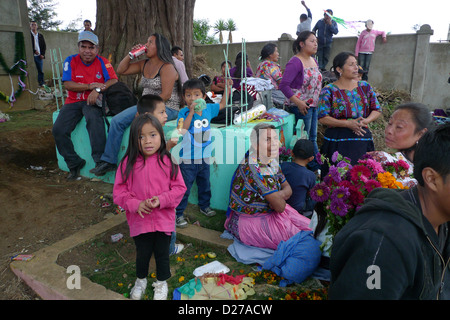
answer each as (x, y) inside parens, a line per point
(139, 288)
(177, 248)
(161, 290)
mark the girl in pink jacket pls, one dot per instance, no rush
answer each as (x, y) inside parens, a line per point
(365, 46)
(149, 187)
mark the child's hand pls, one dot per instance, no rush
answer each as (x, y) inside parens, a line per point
(172, 143)
(144, 208)
(153, 202)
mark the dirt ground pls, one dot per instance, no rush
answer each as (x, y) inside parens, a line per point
(38, 206)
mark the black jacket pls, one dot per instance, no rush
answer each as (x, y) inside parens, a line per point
(390, 232)
(42, 45)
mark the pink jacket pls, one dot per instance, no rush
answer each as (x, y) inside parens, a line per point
(148, 179)
(366, 41)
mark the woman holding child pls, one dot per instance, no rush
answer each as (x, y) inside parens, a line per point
(258, 214)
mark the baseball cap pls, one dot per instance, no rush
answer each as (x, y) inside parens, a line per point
(88, 36)
(303, 149)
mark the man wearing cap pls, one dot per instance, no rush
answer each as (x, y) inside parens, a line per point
(85, 75)
(325, 29)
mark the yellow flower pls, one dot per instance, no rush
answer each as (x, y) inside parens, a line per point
(153, 275)
(120, 284)
(181, 279)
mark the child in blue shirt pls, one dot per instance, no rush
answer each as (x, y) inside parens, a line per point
(194, 121)
(299, 177)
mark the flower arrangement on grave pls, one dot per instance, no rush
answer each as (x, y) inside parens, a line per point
(284, 154)
(344, 188)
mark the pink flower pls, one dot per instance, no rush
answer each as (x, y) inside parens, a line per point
(372, 184)
(360, 173)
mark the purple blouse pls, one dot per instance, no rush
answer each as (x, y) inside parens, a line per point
(292, 77)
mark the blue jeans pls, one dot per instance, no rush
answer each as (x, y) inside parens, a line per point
(172, 114)
(364, 61)
(119, 123)
(323, 55)
(198, 172)
(310, 121)
(39, 66)
(68, 118)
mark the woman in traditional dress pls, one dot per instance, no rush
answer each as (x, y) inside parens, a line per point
(258, 214)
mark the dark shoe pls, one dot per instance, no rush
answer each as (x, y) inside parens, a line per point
(75, 172)
(97, 164)
(103, 168)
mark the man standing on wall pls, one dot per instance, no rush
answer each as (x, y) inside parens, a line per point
(39, 47)
(325, 29)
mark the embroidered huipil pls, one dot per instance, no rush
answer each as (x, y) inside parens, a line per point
(348, 104)
(270, 70)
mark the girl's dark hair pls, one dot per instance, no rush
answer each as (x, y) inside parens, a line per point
(340, 60)
(134, 147)
(301, 38)
(238, 64)
(321, 218)
(224, 62)
(267, 50)
(421, 116)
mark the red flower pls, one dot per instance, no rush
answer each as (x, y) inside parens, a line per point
(360, 173)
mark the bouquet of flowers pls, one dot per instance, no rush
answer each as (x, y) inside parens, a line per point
(344, 188)
(284, 154)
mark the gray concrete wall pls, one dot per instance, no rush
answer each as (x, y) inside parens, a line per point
(58, 41)
(407, 62)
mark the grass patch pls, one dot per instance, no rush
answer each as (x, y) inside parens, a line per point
(27, 119)
(113, 266)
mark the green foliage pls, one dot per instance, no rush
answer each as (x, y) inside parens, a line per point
(201, 29)
(43, 12)
(220, 26)
(231, 26)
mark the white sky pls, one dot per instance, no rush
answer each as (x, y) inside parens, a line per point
(261, 20)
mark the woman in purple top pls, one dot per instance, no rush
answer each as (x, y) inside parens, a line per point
(301, 84)
(236, 72)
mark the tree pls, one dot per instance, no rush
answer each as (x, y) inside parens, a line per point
(201, 29)
(122, 24)
(220, 26)
(230, 26)
(43, 12)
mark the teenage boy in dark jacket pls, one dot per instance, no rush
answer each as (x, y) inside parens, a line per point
(325, 29)
(397, 246)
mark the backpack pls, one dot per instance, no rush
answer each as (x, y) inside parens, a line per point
(117, 98)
